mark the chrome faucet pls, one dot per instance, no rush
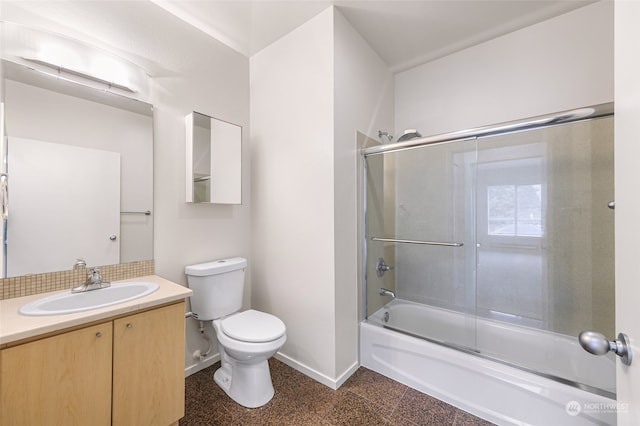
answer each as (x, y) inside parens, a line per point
(93, 282)
(385, 292)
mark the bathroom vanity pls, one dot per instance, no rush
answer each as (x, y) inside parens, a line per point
(120, 365)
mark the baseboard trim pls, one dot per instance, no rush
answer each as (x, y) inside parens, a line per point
(345, 376)
(304, 369)
(316, 375)
(208, 362)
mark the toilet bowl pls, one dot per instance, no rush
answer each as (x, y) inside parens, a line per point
(244, 353)
(246, 340)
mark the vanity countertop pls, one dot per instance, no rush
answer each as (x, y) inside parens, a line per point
(15, 327)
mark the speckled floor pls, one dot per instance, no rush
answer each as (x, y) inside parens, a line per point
(367, 398)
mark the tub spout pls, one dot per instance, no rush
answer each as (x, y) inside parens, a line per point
(385, 292)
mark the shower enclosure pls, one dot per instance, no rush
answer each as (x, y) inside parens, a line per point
(498, 242)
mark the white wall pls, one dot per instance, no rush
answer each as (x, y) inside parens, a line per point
(310, 92)
(213, 80)
(563, 63)
(363, 101)
(627, 175)
(292, 191)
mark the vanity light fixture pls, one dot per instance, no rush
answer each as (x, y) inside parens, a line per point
(60, 71)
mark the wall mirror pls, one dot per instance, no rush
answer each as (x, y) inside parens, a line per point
(214, 163)
(80, 167)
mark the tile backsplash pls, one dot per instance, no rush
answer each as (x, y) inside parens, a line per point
(52, 281)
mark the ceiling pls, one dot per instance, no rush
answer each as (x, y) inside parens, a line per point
(403, 33)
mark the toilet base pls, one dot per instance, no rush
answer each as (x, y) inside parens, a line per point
(247, 384)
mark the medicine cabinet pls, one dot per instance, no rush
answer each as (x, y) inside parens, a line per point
(214, 163)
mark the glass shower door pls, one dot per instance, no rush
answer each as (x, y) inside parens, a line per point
(500, 245)
(420, 225)
(545, 268)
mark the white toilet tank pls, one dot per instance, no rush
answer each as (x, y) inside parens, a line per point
(217, 287)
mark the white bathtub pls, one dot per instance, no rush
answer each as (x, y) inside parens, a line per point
(499, 393)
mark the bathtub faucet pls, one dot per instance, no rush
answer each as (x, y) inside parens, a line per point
(385, 292)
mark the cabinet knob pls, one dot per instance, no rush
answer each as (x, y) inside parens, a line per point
(98, 334)
(129, 325)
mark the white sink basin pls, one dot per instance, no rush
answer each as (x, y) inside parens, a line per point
(68, 303)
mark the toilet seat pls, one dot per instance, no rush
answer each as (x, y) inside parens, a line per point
(253, 327)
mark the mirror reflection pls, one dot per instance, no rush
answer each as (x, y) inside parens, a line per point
(214, 169)
(80, 166)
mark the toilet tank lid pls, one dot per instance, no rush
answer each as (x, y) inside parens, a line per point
(216, 267)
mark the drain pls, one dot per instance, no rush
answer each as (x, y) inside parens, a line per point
(385, 318)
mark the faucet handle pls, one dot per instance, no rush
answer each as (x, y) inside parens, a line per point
(93, 276)
(80, 264)
(382, 267)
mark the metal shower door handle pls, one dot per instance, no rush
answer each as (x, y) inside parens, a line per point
(597, 344)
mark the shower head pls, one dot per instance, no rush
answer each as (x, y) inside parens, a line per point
(409, 134)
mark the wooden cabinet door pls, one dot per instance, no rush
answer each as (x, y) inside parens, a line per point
(148, 367)
(60, 380)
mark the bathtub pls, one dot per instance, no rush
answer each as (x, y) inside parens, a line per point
(497, 392)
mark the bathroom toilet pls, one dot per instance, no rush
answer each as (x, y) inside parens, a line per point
(246, 340)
